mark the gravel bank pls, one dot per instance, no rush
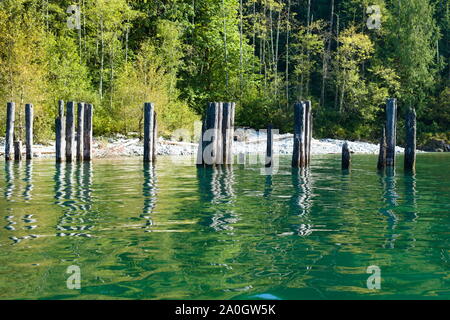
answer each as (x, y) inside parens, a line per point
(125, 147)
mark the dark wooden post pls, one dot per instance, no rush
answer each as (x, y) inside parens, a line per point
(228, 132)
(391, 131)
(308, 128)
(87, 143)
(60, 133)
(149, 112)
(298, 156)
(9, 138)
(70, 130)
(209, 135)
(346, 157)
(218, 133)
(29, 130)
(18, 150)
(80, 131)
(410, 149)
(155, 136)
(382, 155)
(269, 148)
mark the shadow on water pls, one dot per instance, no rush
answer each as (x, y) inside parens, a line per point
(73, 193)
(216, 190)
(149, 190)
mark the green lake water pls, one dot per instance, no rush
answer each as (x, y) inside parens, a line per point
(177, 232)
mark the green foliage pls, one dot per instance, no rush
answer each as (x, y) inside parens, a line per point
(262, 54)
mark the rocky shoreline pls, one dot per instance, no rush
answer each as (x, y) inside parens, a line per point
(121, 146)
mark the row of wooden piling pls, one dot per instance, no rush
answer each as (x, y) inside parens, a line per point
(388, 140)
(216, 140)
(11, 144)
(73, 135)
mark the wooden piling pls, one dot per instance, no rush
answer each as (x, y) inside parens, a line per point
(298, 155)
(269, 147)
(29, 130)
(80, 131)
(218, 133)
(209, 139)
(60, 133)
(391, 131)
(308, 131)
(382, 155)
(346, 157)
(155, 137)
(228, 132)
(70, 130)
(410, 149)
(149, 112)
(10, 115)
(60, 138)
(87, 132)
(18, 150)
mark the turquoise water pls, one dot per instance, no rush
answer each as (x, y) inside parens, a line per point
(177, 232)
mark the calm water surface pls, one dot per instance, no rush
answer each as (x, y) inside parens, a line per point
(177, 232)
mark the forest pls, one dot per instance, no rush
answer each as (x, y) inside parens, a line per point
(346, 56)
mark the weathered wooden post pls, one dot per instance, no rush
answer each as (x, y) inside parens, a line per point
(9, 138)
(18, 150)
(308, 132)
(29, 130)
(269, 147)
(208, 148)
(80, 131)
(60, 132)
(382, 155)
(218, 135)
(391, 131)
(410, 149)
(228, 132)
(155, 137)
(70, 130)
(346, 157)
(298, 155)
(87, 143)
(149, 112)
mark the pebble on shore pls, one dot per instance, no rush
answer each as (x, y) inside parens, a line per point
(121, 146)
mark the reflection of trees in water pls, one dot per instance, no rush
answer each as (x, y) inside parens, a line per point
(301, 200)
(216, 186)
(149, 192)
(73, 190)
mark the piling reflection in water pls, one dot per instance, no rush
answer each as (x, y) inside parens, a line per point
(73, 189)
(301, 199)
(216, 186)
(149, 192)
(9, 179)
(390, 196)
(13, 188)
(28, 180)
